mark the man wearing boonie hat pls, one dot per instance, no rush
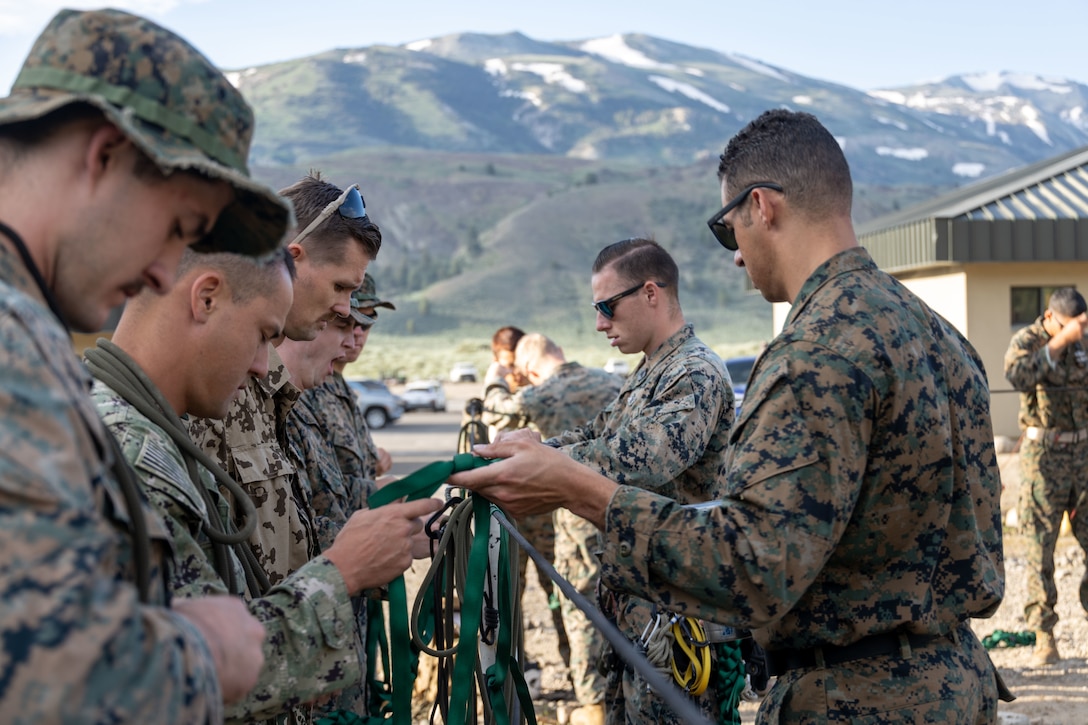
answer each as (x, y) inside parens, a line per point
(120, 145)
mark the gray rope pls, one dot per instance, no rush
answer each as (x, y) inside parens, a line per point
(110, 364)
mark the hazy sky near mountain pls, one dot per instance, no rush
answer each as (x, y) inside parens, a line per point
(861, 43)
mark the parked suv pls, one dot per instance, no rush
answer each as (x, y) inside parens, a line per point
(424, 394)
(380, 407)
(463, 372)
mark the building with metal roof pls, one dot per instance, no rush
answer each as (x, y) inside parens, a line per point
(987, 256)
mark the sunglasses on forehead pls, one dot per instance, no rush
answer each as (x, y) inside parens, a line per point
(725, 235)
(349, 205)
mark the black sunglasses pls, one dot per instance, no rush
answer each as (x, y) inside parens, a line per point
(725, 235)
(606, 307)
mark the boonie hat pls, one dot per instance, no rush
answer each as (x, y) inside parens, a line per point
(366, 297)
(368, 294)
(170, 101)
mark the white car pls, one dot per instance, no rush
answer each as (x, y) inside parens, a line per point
(424, 394)
(463, 372)
(380, 407)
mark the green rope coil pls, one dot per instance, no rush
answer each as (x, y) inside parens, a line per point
(1000, 638)
(727, 679)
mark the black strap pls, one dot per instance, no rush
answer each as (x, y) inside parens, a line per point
(875, 645)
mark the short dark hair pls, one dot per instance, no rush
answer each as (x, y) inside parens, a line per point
(309, 196)
(795, 150)
(21, 137)
(641, 260)
(248, 277)
(1066, 301)
(506, 338)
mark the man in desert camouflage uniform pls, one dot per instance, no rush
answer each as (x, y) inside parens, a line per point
(858, 526)
(562, 396)
(1047, 361)
(120, 145)
(331, 248)
(144, 385)
(666, 431)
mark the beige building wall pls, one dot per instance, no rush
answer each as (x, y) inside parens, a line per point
(976, 300)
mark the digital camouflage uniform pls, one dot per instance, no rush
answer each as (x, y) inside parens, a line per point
(861, 496)
(1053, 473)
(342, 424)
(308, 616)
(569, 398)
(79, 646)
(332, 498)
(66, 582)
(667, 433)
(250, 444)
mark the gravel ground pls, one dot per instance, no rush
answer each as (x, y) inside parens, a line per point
(1057, 694)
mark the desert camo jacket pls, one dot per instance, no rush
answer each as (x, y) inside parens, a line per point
(251, 445)
(861, 492)
(1051, 397)
(570, 397)
(78, 644)
(308, 616)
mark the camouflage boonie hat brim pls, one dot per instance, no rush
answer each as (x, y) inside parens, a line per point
(170, 101)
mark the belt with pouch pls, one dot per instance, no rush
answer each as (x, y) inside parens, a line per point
(875, 645)
(1051, 435)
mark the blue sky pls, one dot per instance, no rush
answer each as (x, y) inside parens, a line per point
(865, 44)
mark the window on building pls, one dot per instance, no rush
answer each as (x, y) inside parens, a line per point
(1029, 303)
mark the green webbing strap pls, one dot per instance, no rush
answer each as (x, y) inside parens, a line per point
(728, 680)
(377, 647)
(504, 650)
(471, 612)
(422, 484)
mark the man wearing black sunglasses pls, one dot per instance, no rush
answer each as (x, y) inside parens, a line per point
(666, 431)
(858, 526)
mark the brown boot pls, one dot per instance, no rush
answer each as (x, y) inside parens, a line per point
(1046, 649)
(587, 715)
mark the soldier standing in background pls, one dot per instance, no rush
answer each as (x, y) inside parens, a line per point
(561, 396)
(539, 531)
(107, 173)
(1048, 363)
(665, 432)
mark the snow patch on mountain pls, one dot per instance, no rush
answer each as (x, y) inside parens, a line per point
(685, 89)
(553, 74)
(911, 154)
(993, 81)
(616, 49)
(418, 45)
(970, 169)
(755, 65)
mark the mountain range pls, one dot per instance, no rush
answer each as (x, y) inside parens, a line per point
(495, 157)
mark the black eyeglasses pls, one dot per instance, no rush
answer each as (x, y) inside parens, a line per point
(725, 235)
(607, 307)
(349, 205)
